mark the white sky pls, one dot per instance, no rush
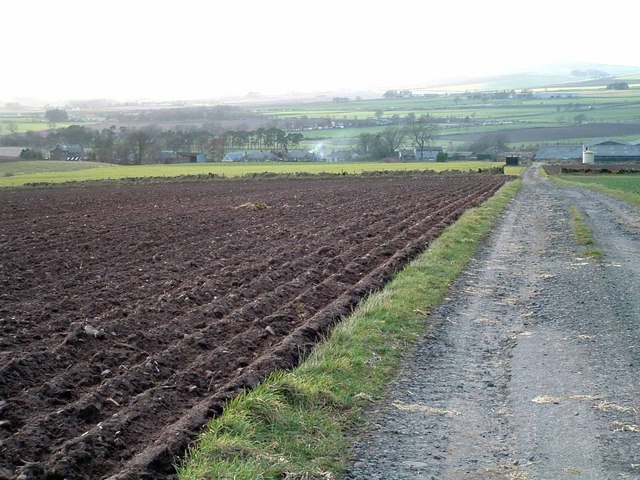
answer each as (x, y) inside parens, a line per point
(188, 49)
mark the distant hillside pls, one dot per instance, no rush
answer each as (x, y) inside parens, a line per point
(548, 76)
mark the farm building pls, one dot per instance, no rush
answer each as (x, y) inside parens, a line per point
(167, 156)
(428, 154)
(406, 155)
(605, 151)
(341, 156)
(559, 152)
(300, 156)
(461, 155)
(234, 157)
(261, 156)
(67, 152)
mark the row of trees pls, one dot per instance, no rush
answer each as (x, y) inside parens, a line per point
(139, 145)
(263, 138)
(419, 133)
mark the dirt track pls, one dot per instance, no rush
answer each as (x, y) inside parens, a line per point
(531, 368)
(129, 315)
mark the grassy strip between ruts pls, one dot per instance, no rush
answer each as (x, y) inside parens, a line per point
(580, 229)
(582, 233)
(297, 424)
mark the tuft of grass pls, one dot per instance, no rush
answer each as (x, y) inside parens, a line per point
(594, 253)
(580, 229)
(583, 235)
(298, 424)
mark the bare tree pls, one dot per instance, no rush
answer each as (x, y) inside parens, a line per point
(391, 139)
(423, 133)
(140, 140)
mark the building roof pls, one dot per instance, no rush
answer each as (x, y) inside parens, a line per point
(168, 155)
(559, 152)
(75, 149)
(260, 155)
(606, 141)
(606, 148)
(234, 156)
(428, 149)
(71, 149)
(613, 150)
(299, 154)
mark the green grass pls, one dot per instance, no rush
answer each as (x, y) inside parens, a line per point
(516, 171)
(114, 172)
(581, 231)
(297, 424)
(36, 167)
(626, 187)
(25, 126)
(595, 103)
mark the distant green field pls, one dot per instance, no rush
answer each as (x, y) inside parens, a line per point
(623, 186)
(594, 102)
(629, 183)
(229, 170)
(11, 169)
(25, 126)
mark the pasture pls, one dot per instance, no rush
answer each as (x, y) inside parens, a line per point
(86, 171)
(34, 167)
(629, 183)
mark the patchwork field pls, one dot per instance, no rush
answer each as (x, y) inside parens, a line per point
(60, 172)
(129, 315)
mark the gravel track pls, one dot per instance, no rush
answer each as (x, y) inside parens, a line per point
(530, 368)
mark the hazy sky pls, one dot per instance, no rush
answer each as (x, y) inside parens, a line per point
(187, 49)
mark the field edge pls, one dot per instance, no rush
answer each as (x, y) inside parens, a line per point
(627, 197)
(301, 423)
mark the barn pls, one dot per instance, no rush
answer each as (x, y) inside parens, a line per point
(67, 152)
(605, 151)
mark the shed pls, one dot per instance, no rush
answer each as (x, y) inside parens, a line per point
(406, 155)
(427, 153)
(614, 153)
(261, 156)
(299, 156)
(559, 152)
(167, 156)
(341, 156)
(234, 157)
(67, 152)
(605, 151)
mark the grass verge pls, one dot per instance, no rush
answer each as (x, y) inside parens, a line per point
(296, 424)
(616, 189)
(583, 235)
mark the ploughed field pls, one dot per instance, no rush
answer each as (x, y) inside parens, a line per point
(597, 168)
(129, 315)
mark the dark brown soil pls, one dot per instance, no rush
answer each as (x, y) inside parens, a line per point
(129, 315)
(597, 168)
